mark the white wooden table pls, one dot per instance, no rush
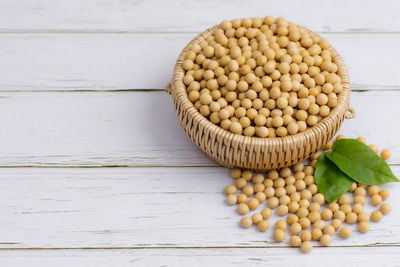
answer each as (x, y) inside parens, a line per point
(96, 171)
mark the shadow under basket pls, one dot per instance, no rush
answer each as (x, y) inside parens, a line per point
(255, 153)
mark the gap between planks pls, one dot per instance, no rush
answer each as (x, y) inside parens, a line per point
(114, 166)
(116, 31)
(380, 245)
(121, 166)
(357, 89)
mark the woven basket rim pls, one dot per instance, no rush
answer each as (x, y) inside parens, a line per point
(178, 90)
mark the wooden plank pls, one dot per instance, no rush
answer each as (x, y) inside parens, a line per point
(182, 15)
(199, 257)
(138, 129)
(93, 129)
(41, 62)
(141, 208)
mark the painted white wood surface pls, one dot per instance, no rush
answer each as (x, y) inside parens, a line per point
(182, 15)
(145, 61)
(142, 208)
(277, 257)
(168, 208)
(139, 129)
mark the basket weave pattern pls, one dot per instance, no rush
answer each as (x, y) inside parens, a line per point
(255, 153)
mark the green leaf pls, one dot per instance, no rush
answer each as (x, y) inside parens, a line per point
(331, 181)
(360, 162)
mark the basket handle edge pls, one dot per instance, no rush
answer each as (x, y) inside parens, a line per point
(351, 115)
(168, 88)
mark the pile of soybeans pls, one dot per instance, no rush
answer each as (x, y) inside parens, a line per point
(262, 77)
(267, 77)
(293, 194)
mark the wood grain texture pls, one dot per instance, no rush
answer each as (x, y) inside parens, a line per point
(64, 62)
(192, 16)
(279, 257)
(138, 129)
(142, 208)
(162, 216)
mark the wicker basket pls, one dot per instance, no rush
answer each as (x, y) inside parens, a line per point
(255, 153)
